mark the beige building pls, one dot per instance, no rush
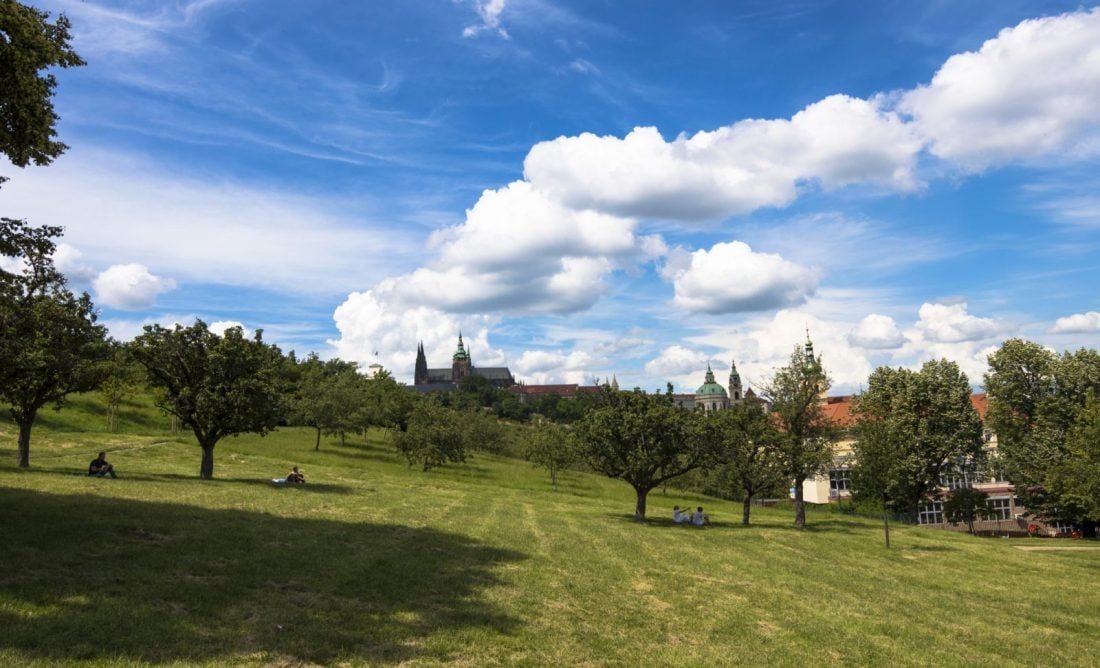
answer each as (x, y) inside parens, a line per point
(1006, 512)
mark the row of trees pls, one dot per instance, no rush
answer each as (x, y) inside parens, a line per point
(646, 440)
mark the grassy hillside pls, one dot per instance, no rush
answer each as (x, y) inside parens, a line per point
(375, 563)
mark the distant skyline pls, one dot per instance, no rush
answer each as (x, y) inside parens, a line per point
(585, 189)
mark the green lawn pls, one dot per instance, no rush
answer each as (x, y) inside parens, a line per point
(374, 563)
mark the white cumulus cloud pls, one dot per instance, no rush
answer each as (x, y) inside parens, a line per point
(731, 278)
(1029, 92)
(374, 328)
(543, 366)
(877, 332)
(1078, 323)
(837, 141)
(952, 323)
(676, 361)
(129, 286)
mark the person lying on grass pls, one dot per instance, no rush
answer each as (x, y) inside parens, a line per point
(680, 516)
(100, 468)
(295, 477)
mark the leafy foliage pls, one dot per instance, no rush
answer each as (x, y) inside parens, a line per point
(328, 397)
(1076, 480)
(435, 435)
(913, 427)
(121, 378)
(966, 505)
(551, 447)
(746, 445)
(50, 344)
(795, 395)
(641, 439)
(217, 386)
(1035, 400)
(29, 44)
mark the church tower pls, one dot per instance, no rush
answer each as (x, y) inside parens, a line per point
(814, 364)
(460, 362)
(420, 375)
(735, 383)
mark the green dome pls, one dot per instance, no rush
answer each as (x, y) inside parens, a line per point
(710, 388)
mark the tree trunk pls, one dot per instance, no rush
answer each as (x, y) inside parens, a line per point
(342, 442)
(25, 439)
(317, 445)
(639, 506)
(886, 524)
(745, 509)
(207, 470)
(799, 504)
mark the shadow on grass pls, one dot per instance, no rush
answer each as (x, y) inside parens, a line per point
(92, 578)
(312, 487)
(363, 452)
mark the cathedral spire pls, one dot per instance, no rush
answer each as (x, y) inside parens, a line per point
(420, 375)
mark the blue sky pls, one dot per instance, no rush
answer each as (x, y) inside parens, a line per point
(586, 189)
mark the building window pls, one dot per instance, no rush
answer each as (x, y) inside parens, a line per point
(931, 512)
(1000, 508)
(955, 479)
(840, 480)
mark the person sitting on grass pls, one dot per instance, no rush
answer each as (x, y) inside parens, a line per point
(699, 518)
(99, 467)
(295, 477)
(680, 516)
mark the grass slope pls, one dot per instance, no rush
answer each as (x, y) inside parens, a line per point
(376, 563)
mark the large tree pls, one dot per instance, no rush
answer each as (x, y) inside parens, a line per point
(30, 44)
(217, 386)
(1036, 398)
(435, 435)
(328, 397)
(913, 427)
(796, 394)
(1076, 480)
(50, 344)
(641, 439)
(746, 446)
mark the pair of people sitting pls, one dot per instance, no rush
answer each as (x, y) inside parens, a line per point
(99, 467)
(295, 477)
(685, 516)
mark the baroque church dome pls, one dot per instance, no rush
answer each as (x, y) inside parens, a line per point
(710, 388)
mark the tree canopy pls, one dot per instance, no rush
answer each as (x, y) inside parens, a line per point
(30, 44)
(795, 394)
(913, 427)
(329, 397)
(435, 435)
(217, 386)
(745, 443)
(1037, 407)
(641, 439)
(50, 344)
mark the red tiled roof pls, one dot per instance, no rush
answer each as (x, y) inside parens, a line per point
(980, 402)
(838, 410)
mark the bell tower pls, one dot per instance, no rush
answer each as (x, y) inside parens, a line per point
(735, 383)
(460, 362)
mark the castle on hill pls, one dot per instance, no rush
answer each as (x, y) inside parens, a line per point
(447, 379)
